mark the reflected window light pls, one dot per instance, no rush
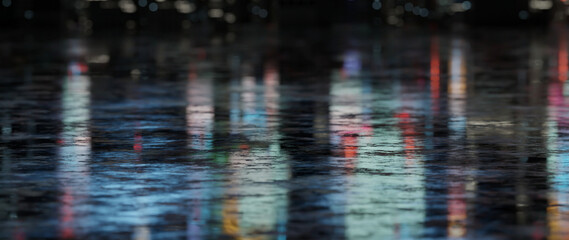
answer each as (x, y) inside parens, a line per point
(215, 13)
(6, 3)
(153, 7)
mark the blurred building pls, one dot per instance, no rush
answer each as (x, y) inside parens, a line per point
(514, 11)
(118, 15)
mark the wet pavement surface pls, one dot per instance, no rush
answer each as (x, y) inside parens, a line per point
(316, 134)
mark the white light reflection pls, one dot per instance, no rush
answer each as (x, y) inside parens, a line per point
(272, 96)
(260, 207)
(345, 125)
(457, 88)
(458, 176)
(361, 147)
(248, 110)
(251, 117)
(345, 118)
(75, 148)
(199, 111)
(403, 138)
(346, 110)
(199, 127)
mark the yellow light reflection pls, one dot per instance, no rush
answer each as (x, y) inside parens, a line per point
(457, 70)
(230, 218)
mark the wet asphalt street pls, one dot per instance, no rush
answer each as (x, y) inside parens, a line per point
(258, 134)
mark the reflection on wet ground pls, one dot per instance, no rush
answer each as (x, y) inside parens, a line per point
(264, 135)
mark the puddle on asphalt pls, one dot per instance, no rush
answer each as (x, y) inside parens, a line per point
(391, 135)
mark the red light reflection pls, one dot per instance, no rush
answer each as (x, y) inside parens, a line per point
(409, 134)
(137, 142)
(77, 68)
(67, 215)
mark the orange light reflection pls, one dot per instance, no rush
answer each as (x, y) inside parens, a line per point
(435, 68)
